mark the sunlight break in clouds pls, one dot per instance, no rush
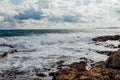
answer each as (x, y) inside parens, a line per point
(59, 13)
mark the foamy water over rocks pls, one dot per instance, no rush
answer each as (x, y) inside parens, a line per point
(43, 51)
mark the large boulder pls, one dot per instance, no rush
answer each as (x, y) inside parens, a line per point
(114, 61)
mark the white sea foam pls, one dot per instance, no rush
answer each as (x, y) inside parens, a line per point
(43, 51)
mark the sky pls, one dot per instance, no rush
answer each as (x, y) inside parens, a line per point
(40, 14)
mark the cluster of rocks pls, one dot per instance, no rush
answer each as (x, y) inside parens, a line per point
(16, 74)
(106, 38)
(11, 74)
(103, 70)
(11, 51)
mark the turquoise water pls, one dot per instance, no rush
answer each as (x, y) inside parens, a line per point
(9, 33)
(30, 32)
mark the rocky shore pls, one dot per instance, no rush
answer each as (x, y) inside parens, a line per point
(102, 70)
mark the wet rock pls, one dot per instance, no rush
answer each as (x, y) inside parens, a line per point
(7, 45)
(119, 46)
(106, 38)
(12, 51)
(111, 46)
(114, 61)
(65, 74)
(108, 53)
(39, 74)
(97, 72)
(12, 74)
(84, 78)
(4, 55)
(114, 74)
(97, 64)
(80, 66)
(52, 74)
(91, 61)
(83, 58)
(60, 62)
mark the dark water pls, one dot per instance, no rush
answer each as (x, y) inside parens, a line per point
(10, 33)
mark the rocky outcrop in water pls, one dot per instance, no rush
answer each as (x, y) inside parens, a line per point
(98, 71)
(106, 38)
(103, 70)
(11, 51)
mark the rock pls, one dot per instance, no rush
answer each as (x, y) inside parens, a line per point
(108, 53)
(41, 74)
(60, 62)
(117, 77)
(84, 78)
(65, 74)
(52, 74)
(8, 52)
(97, 72)
(114, 61)
(83, 58)
(111, 46)
(80, 66)
(7, 45)
(19, 72)
(99, 64)
(12, 74)
(119, 46)
(13, 51)
(4, 55)
(106, 38)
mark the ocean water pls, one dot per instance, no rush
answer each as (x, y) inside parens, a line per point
(43, 48)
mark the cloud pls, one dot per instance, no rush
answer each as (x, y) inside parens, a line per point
(29, 14)
(1, 18)
(52, 12)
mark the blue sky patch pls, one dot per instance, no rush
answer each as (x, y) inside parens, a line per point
(16, 2)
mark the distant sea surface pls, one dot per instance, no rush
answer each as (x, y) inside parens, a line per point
(27, 32)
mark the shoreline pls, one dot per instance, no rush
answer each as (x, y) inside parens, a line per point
(75, 69)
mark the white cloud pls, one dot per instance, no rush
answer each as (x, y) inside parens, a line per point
(1, 18)
(61, 12)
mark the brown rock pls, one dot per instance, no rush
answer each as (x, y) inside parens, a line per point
(97, 72)
(84, 78)
(114, 61)
(117, 77)
(65, 74)
(80, 66)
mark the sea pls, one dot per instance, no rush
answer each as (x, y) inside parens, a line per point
(43, 48)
